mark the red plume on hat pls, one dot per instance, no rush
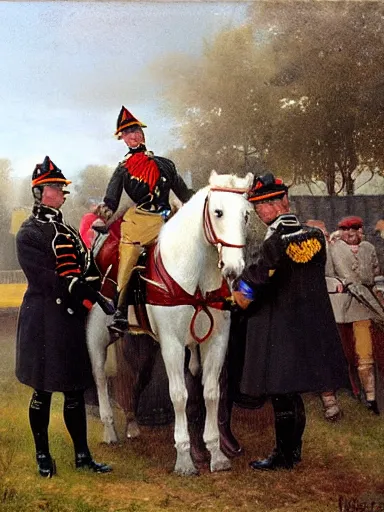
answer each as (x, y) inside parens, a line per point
(46, 173)
(353, 222)
(125, 120)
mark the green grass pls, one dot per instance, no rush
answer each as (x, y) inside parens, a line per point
(343, 459)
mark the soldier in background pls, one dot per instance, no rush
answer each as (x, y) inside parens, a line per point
(355, 266)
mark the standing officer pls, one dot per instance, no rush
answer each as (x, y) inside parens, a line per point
(51, 352)
(292, 343)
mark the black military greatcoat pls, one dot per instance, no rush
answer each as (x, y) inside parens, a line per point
(51, 352)
(292, 342)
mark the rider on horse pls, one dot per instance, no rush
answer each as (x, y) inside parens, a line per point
(148, 180)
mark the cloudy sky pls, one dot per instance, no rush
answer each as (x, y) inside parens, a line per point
(67, 67)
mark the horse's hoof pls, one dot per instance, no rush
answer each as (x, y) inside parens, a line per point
(186, 471)
(184, 465)
(112, 443)
(224, 465)
(220, 462)
(110, 440)
(133, 431)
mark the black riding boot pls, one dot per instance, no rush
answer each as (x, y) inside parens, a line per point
(120, 319)
(195, 411)
(228, 443)
(287, 435)
(39, 410)
(76, 422)
(300, 421)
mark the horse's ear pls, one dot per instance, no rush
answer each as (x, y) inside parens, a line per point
(212, 177)
(249, 179)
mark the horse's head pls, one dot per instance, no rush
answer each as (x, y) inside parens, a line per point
(226, 215)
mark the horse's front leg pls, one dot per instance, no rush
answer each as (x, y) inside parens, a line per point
(212, 355)
(173, 354)
(97, 341)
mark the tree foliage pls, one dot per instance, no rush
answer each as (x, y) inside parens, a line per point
(89, 188)
(298, 89)
(215, 101)
(6, 191)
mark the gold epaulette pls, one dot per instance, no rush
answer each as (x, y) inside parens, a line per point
(303, 251)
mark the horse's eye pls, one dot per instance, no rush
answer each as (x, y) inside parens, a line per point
(246, 217)
(219, 213)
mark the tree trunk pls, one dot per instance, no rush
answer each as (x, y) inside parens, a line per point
(330, 181)
(349, 183)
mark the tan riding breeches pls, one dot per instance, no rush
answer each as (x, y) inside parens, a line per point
(138, 229)
(363, 341)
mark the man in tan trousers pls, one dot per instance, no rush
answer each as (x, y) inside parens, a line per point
(148, 180)
(354, 262)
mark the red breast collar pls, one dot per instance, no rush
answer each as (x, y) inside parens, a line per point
(162, 290)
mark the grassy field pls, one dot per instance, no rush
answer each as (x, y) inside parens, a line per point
(343, 461)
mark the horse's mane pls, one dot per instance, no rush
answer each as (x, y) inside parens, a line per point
(188, 211)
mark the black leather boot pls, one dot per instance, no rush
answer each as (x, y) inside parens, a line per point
(373, 407)
(228, 443)
(84, 460)
(45, 464)
(300, 421)
(120, 323)
(199, 453)
(195, 411)
(276, 460)
(296, 453)
(287, 410)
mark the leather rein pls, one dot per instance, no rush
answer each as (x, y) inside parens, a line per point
(209, 230)
(213, 239)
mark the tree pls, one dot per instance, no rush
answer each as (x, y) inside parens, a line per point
(215, 101)
(6, 204)
(299, 90)
(91, 184)
(6, 192)
(329, 56)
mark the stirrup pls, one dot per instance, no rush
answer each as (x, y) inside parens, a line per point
(119, 324)
(118, 328)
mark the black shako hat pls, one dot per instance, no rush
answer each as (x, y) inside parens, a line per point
(125, 120)
(267, 188)
(47, 173)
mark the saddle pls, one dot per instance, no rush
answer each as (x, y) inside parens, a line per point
(151, 284)
(105, 249)
(106, 255)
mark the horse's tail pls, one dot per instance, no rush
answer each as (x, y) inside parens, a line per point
(194, 362)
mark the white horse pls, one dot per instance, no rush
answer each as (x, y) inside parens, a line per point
(202, 244)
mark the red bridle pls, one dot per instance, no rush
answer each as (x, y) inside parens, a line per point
(209, 230)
